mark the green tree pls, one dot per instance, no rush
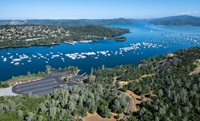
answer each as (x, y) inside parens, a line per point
(102, 108)
(11, 104)
(20, 113)
(40, 118)
(160, 92)
(41, 108)
(29, 116)
(116, 106)
(28, 73)
(48, 69)
(52, 112)
(92, 78)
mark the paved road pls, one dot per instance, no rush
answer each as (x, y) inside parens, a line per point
(129, 108)
(130, 104)
(7, 92)
(43, 86)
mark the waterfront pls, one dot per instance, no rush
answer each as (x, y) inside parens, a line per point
(144, 41)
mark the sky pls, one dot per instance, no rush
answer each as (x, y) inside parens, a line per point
(96, 9)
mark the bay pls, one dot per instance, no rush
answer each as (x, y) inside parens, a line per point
(158, 40)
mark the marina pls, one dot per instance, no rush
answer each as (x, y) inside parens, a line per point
(158, 40)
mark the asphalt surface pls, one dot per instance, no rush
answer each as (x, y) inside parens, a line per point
(43, 86)
(128, 109)
(130, 104)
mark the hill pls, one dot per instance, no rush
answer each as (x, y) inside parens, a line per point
(39, 35)
(68, 22)
(177, 20)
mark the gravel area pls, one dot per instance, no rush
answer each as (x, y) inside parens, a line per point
(7, 92)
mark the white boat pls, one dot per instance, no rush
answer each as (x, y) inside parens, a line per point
(71, 42)
(73, 58)
(34, 56)
(16, 64)
(4, 59)
(63, 59)
(11, 57)
(53, 56)
(16, 60)
(85, 41)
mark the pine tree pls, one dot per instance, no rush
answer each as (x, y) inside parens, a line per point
(20, 113)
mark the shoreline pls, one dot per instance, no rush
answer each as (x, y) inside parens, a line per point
(10, 82)
(20, 82)
(50, 45)
(66, 42)
(7, 91)
(27, 46)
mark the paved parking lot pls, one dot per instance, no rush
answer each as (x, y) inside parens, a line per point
(43, 86)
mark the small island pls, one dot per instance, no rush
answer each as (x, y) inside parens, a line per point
(120, 39)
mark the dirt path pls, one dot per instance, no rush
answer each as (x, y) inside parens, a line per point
(122, 83)
(144, 76)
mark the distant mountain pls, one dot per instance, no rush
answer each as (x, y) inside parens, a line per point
(110, 21)
(177, 20)
(67, 22)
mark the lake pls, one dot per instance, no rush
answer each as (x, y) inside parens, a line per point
(144, 40)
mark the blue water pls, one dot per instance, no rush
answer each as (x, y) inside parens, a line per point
(142, 32)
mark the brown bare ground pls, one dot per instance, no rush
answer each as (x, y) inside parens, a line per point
(144, 76)
(20, 82)
(137, 98)
(152, 94)
(170, 55)
(132, 95)
(97, 117)
(197, 70)
(122, 83)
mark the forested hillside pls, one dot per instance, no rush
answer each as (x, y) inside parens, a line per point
(177, 20)
(37, 35)
(176, 92)
(68, 22)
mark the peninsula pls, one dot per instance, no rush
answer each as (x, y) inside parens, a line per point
(39, 35)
